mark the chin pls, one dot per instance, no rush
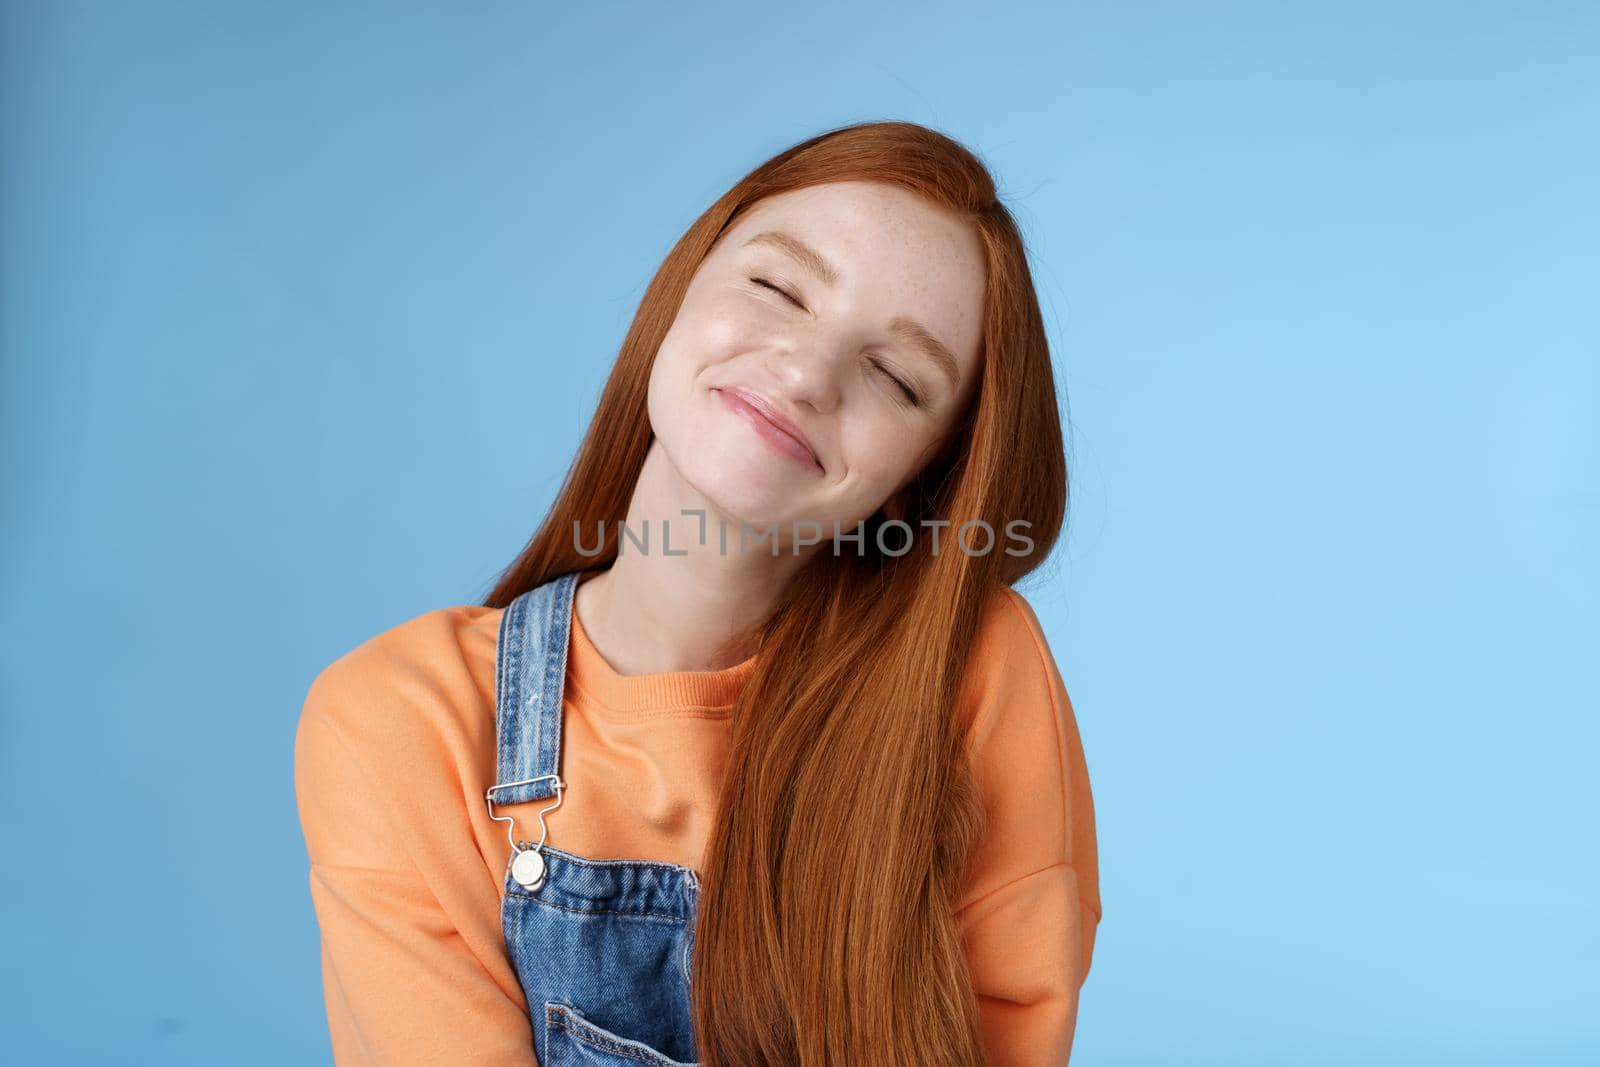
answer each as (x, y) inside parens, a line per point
(738, 498)
(737, 488)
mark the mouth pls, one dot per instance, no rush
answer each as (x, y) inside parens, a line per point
(771, 425)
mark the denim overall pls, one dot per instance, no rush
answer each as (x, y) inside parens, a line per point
(603, 948)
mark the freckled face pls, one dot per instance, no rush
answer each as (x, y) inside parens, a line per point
(821, 354)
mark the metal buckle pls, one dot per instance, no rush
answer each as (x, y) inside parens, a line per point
(518, 847)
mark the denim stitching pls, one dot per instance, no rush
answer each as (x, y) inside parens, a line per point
(600, 911)
(585, 861)
(558, 1017)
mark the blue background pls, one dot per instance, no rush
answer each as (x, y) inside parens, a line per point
(306, 308)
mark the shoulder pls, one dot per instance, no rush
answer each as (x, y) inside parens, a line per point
(1011, 664)
(391, 735)
(418, 685)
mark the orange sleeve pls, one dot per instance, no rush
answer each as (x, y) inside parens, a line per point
(401, 982)
(1031, 907)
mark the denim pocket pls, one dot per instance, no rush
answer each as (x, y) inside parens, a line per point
(571, 1040)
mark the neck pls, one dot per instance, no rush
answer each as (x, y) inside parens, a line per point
(651, 612)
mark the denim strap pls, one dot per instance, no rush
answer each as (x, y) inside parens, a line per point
(530, 670)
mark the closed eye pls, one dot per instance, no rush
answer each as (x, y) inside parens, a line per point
(776, 289)
(910, 393)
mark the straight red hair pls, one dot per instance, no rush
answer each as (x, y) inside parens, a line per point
(826, 935)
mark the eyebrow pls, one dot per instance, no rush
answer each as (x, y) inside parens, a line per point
(909, 330)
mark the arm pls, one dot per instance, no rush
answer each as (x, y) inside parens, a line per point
(401, 982)
(1025, 945)
(1032, 907)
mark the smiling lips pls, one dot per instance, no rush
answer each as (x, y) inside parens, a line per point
(770, 424)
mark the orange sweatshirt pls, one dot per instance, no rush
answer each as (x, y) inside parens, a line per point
(396, 745)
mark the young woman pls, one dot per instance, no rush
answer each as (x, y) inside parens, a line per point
(752, 756)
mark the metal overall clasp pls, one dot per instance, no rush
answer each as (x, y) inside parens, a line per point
(527, 860)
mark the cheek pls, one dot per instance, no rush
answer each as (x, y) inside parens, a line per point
(882, 453)
(732, 327)
(706, 332)
(710, 331)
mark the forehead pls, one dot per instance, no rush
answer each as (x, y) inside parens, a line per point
(894, 252)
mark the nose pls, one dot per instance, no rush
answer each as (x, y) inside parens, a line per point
(811, 369)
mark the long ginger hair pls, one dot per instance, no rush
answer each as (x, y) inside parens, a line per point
(825, 934)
